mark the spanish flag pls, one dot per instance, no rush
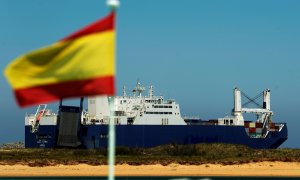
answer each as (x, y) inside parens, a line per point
(81, 64)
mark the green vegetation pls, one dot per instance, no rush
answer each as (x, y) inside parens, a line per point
(182, 154)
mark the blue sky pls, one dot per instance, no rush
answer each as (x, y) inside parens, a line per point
(193, 51)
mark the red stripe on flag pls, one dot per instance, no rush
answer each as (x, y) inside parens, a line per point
(52, 92)
(104, 24)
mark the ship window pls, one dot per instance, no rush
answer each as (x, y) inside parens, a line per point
(119, 113)
(164, 121)
(124, 101)
(231, 122)
(160, 106)
(117, 121)
(130, 120)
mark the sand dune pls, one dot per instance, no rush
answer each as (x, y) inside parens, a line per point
(250, 169)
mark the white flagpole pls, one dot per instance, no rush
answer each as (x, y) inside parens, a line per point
(113, 4)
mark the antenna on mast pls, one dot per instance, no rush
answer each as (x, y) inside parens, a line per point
(124, 91)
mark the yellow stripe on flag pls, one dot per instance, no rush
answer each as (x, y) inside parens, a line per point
(76, 59)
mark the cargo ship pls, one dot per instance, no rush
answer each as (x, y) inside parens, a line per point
(148, 121)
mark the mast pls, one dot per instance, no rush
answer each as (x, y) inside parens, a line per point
(150, 91)
(124, 91)
(139, 89)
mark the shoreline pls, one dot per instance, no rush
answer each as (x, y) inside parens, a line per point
(282, 169)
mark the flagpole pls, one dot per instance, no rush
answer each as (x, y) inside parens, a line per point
(113, 4)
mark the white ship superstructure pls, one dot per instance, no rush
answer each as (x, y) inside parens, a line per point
(134, 109)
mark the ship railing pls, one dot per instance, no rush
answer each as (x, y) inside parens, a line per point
(276, 127)
(266, 134)
(48, 112)
(191, 117)
(280, 125)
(170, 101)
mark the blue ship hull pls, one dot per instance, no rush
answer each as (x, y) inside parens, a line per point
(95, 136)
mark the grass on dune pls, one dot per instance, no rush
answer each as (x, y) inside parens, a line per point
(225, 154)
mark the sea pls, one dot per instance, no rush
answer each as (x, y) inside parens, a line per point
(150, 178)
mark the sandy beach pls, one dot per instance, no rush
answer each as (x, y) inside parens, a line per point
(250, 169)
